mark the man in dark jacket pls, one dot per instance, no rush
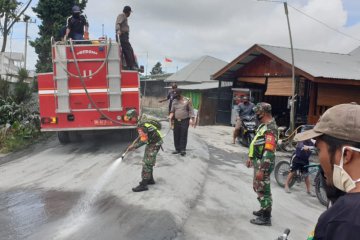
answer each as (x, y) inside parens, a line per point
(77, 25)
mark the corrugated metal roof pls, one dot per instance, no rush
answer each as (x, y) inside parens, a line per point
(198, 71)
(321, 64)
(202, 86)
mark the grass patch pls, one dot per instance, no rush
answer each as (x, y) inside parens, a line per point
(14, 142)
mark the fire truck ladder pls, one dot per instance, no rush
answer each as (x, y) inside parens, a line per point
(114, 77)
(61, 79)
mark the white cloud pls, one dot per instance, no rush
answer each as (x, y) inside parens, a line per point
(186, 30)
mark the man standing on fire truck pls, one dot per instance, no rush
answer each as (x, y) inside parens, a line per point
(77, 25)
(122, 31)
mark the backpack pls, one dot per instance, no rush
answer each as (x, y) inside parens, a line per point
(152, 121)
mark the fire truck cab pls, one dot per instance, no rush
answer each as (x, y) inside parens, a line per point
(87, 90)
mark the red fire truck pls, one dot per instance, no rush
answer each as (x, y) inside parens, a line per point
(87, 90)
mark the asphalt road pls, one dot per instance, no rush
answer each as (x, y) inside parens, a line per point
(83, 191)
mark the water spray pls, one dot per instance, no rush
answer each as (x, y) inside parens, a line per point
(78, 216)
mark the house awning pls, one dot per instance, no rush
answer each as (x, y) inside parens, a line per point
(279, 87)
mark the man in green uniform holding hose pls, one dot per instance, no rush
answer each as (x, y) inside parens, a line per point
(149, 135)
(262, 158)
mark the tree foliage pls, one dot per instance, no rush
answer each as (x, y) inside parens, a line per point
(10, 13)
(4, 88)
(157, 69)
(53, 14)
(22, 91)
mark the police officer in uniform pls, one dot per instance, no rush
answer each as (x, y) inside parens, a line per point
(262, 158)
(183, 113)
(149, 135)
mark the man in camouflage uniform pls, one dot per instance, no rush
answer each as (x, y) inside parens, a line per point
(150, 135)
(262, 158)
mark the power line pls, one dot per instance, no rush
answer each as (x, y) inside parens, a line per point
(326, 25)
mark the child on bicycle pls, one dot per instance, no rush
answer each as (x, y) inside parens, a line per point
(299, 160)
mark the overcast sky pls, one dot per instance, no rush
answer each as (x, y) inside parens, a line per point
(188, 29)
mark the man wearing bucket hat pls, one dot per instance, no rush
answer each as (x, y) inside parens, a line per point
(262, 158)
(337, 136)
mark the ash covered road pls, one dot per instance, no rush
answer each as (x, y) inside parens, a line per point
(75, 192)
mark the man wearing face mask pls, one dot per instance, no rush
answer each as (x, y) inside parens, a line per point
(149, 135)
(77, 25)
(183, 113)
(245, 109)
(262, 158)
(337, 135)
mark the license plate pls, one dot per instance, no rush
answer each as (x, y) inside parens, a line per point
(104, 122)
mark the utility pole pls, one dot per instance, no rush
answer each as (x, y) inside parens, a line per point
(147, 63)
(292, 101)
(27, 20)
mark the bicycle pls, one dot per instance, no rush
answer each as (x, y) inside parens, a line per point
(282, 170)
(286, 139)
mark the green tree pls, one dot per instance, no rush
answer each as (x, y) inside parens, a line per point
(22, 91)
(10, 13)
(157, 69)
(4, 88)
(53, 14)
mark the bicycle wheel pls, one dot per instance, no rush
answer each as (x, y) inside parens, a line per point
(282, 170)
(320, 190)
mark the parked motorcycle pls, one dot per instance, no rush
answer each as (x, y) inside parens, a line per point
(247, 130)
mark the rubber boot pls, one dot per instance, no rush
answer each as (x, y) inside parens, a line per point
(142, 186)
(263, 220)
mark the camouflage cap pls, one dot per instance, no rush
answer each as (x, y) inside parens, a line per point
(262, 107)
(131, 113)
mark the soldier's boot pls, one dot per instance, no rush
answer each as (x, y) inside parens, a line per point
(258, 213)
(151, 181)
(142, 186)
(263, 220)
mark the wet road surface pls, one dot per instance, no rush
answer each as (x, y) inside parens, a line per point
(82, 191)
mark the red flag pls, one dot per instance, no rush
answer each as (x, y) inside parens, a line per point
(168, 59)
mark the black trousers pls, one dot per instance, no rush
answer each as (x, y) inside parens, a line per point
(127, 50)
(181, 134)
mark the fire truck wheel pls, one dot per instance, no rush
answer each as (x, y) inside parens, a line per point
(77, 136)
(63, 137)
